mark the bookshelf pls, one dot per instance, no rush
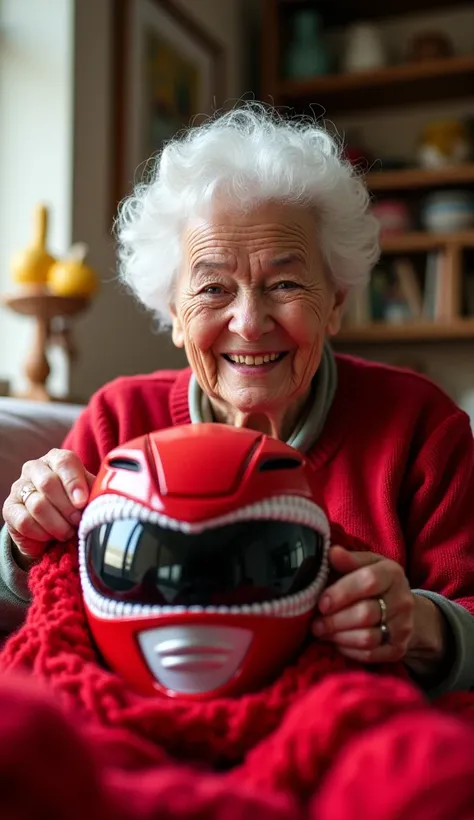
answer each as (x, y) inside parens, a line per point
(380, 332)
(446, 300)
(415, 179)
(337, 12)
(422, 241)
(399, 86)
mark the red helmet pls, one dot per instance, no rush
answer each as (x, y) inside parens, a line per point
(202, 555)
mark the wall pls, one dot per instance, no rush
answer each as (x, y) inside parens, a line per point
(55, 93)
(36, 98)
(116, 337)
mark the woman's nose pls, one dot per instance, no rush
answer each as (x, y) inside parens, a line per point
(250, 318)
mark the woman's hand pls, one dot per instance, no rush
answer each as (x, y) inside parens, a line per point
(45, 503)
(351, 612)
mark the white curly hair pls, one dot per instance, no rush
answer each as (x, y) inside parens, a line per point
(250, 155)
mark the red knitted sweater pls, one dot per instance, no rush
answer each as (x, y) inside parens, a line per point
(395, 463)
(327, 740)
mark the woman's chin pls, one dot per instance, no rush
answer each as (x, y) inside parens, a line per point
(258, 401)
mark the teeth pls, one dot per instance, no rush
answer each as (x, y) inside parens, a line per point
(112, 507)
(254, 361)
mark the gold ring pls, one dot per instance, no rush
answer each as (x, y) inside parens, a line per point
(26, 491)
(383, 612)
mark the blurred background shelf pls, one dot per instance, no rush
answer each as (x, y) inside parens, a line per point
(394, 82)
(394, 86)
(342, 12)
(409, 179)
(423, 241)
(380, 332)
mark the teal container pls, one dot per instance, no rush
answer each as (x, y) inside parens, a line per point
(307, 55)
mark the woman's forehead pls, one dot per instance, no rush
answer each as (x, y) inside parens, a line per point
(281, 228)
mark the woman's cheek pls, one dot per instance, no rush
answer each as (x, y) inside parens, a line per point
(302, 321)
(204, 330)
(197, 323)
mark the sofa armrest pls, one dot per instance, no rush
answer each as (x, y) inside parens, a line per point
(28, 429)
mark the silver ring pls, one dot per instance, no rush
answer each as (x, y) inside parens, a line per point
(384, 635)
(26, 491)
(383, 611)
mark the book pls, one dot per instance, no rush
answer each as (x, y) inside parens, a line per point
(430, 297)
(409, 286)
(448, 301)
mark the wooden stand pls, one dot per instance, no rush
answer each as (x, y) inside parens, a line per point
(45, 308)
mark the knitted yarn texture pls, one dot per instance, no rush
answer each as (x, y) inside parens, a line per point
(326, 739)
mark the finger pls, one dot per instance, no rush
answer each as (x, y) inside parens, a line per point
(72, 474)
(43, 513)
(357, 638)
(49, 484)
(27, 548)
(368, 646)
(370, 581)
(363, 614)
(344, 561)
(382, 654)
(22, 527)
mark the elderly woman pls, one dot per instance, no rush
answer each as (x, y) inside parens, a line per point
(246, 242)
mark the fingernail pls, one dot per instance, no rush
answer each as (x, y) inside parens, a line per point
(75, 518)
(79, 497)
(324, 604)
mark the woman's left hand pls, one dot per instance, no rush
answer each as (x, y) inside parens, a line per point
(351, 612)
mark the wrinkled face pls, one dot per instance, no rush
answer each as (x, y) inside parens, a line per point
(253, 305)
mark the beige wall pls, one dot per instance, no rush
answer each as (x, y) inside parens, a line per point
(116, 337)
(36, 137)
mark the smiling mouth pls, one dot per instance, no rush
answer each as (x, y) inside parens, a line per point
(254, 361)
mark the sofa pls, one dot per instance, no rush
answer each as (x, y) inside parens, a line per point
(28, 429)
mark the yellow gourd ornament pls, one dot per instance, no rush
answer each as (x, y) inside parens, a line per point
(71, 276)
(31, 266)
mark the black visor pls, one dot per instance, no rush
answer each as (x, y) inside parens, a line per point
(241, 563)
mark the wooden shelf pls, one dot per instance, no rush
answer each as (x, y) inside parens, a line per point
(422, 241)
(409, 179)
(340, 12)
(380, 332)
(394, 86)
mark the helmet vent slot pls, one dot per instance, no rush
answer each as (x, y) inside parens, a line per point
(279, 464)
(125, 464)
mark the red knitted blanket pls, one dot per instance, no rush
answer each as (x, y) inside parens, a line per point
(325, 740)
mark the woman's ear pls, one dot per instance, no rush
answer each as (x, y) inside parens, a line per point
(333, 325)
(177, 334)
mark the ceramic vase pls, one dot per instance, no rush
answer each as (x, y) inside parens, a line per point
(306, 55)
(365, 49)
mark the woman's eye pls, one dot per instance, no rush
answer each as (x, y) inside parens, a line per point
(286, 285)
(213, 290)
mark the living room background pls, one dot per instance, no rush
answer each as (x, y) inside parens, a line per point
(56, 82)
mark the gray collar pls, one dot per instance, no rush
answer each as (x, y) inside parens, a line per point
(310, 426)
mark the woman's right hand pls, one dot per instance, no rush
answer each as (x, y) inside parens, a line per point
(45, 504)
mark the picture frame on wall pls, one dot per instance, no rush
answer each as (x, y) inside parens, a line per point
(169, 72)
